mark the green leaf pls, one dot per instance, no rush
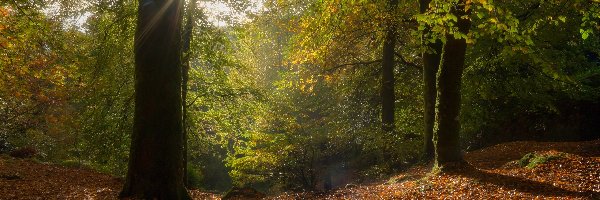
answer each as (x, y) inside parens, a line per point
(562, 18)
(584, 33)
(529, 41)
(480, 15)
(452, 17)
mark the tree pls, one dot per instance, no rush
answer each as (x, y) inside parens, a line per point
(187, 40)
(447, 144)
(356, 47)
(522, 72)
(38, 79)
(431, 61)
(388, 98)
(155, 163)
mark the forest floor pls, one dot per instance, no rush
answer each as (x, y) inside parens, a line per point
(556, 170)
(565, 170)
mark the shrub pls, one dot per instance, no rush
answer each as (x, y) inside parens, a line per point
(24, 152)
(4, 146)
(194, 177)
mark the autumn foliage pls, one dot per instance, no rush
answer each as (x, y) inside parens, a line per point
(285, 96)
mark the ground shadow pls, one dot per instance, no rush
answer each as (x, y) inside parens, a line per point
(517, 183)
(498, 155)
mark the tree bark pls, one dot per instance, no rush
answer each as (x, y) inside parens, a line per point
(431, 62)
(155, 162)
(187, 40)
(447, 148)
(387, 76)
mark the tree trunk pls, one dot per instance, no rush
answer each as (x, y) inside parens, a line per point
(155, 162)
(187, 40)
(447, 146)
(431, 62)
(387, 76)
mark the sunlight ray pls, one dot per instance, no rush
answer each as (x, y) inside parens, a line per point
(154, 20)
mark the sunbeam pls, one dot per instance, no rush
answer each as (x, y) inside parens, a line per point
(157, 15)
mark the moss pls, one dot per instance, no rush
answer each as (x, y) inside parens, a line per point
(74, 164)
(400, 179)
(531, 160)
(437, 169)
(525, 160)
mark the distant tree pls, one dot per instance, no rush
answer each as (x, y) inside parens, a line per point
(185, 76)
(388, 97)
(155, 163)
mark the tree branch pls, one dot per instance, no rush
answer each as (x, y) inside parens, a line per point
(351, 64)
(528, 12)
(405, 62)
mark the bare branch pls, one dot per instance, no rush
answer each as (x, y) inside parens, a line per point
(331, 70)
(405, 62)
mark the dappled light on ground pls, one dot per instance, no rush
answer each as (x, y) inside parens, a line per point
(493, 173)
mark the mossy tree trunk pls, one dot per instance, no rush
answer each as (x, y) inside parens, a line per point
(447, 147)
(155, 161)
(431, 62)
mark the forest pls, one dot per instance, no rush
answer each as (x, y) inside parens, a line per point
(299, 99)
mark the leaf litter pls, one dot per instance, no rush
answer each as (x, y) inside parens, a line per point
(490, 173)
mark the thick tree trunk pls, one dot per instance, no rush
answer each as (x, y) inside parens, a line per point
(155, 162)
(431, 62)
(447, 148)
(187, 40)
(387, 76)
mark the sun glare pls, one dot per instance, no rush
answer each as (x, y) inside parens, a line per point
(221, 14)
